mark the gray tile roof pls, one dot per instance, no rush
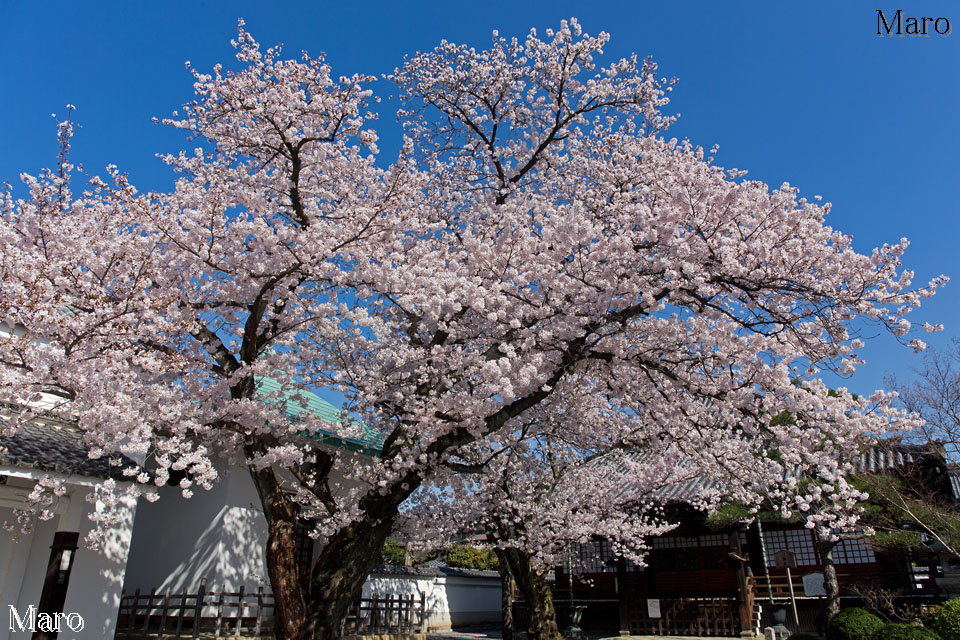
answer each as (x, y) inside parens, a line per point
(50, 447)
(435, 572)
(689, 485)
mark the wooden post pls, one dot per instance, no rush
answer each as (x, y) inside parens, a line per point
(793, 601)
(410, 605)
(259, 609)
(163, 616)
(423, 612)
(223, 588)
(183, 608)
(133, 612)
(146, 619)
(236, 633)
(198, 609)
(622, 589)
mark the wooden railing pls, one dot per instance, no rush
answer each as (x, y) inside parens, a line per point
(780, 588)
(387, 614)
(176, 615)
(235, 614)
(689, 617)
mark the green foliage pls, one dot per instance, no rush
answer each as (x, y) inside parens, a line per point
(783, 418)
(853, 624)
(803, 636)
(894, 502)
(467, 557)
(903, 632)
(897, 540)
(729, 514)
(947, 621)
(392, 553)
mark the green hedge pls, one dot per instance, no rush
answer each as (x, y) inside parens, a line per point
(803, 636)
(853, 624)
(904, 632)
(947, 621)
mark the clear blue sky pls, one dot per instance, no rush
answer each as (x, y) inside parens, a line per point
(804, 92)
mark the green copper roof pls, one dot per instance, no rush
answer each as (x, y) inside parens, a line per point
(299, 403)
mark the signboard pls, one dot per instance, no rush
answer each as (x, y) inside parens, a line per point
(813, 585)
(783, 559)
(653, 608)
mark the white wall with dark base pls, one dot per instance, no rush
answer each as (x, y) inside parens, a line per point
(453, 598)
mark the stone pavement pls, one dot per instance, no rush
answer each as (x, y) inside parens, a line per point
(466, 633)
(493, 633)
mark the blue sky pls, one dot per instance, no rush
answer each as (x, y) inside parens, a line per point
(799, 92)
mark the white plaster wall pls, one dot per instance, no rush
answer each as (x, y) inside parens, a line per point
(473, 600)
(219, 534)
(36, 567)
(438, 613)
(14, 565)
(450, 600)
(97, 577)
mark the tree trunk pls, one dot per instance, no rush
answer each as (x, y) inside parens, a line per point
(830, 584)
(348, 557)
(533, 585)
(506, 595)
(339, 574)
(290, 614)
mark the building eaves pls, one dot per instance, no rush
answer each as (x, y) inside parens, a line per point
(56, 448)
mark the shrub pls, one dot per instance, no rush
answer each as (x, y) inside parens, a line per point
(803, 636)
(468, 557)
(392, 553)
(904, 632)
(947, 621)
(853, 624)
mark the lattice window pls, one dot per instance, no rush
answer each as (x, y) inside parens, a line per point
(664, 543)
(714, 540)
(853, 551)
(594, 557)
(797, 541)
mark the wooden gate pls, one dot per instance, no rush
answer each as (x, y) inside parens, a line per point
(688, 617)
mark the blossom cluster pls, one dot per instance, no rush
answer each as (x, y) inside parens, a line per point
(538, 253)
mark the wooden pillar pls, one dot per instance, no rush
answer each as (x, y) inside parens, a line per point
(54, 594)
(624, 597)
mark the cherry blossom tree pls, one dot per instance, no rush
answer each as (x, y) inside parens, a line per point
(536, 232)
(542, 488)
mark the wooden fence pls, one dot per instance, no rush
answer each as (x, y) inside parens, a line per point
(688, 617)
(176, 615)
(235, 614)
(387, 614)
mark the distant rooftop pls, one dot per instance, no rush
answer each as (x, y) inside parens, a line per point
(299, 403)
(690, 486)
